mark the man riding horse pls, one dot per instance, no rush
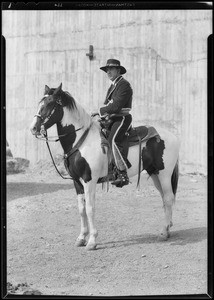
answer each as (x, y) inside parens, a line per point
(86, 161)
(118, 103)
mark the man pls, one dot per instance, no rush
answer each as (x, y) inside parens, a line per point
(118, 102)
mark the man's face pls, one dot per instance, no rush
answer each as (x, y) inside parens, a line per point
(113, 73)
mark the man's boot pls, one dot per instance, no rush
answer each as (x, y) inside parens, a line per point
(121, 180)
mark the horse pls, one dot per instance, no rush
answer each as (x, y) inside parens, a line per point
(87, 160)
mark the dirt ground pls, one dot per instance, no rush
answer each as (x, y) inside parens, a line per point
(43, 224)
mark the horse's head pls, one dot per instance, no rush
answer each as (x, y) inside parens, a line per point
(50, 110)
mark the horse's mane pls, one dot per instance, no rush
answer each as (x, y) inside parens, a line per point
(80, 114)
(68, 100)
(66, 97)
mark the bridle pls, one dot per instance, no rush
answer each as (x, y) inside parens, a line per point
(44, 136)
(45, 120)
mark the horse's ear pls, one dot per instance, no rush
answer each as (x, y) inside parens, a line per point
(58, 89)
(47, 89)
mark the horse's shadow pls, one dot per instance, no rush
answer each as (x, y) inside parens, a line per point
(179, 237)
(24, 189)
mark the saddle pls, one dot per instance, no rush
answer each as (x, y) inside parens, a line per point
(140, 134)
(136, 135)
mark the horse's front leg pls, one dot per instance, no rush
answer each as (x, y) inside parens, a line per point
(81, 240)
(90, 190)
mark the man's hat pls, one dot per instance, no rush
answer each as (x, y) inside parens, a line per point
(114, 63)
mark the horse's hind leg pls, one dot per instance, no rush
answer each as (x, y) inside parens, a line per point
(157, 184)
(168, 201)
(165, 190)
(81, 240)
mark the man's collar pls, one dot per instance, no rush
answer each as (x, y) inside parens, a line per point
(116, 80)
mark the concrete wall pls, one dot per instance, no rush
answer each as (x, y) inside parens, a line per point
(164, 51)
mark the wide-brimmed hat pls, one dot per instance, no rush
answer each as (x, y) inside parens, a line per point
(114, 63)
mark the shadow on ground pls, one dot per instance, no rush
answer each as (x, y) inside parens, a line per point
(180, 237)
(17, 190)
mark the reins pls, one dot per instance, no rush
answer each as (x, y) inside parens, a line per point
(54, 161)
(52, 138)
(81, 140)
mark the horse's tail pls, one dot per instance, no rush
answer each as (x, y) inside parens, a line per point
(174, 178)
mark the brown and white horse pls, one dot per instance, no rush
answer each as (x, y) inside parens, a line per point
(86, 162)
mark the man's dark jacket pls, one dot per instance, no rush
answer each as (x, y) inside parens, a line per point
(118, 98)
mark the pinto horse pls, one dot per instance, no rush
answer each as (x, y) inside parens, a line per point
(86, 162)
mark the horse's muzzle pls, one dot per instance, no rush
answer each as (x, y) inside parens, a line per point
(34, 131)
(34, 128)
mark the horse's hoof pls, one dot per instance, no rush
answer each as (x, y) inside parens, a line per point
(163, 237)
(91, 247)
(80, 242)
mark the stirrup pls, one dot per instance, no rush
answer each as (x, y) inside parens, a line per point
(121, 180)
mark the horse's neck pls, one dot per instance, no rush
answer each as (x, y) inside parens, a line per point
(77, 117)
(67, 136)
